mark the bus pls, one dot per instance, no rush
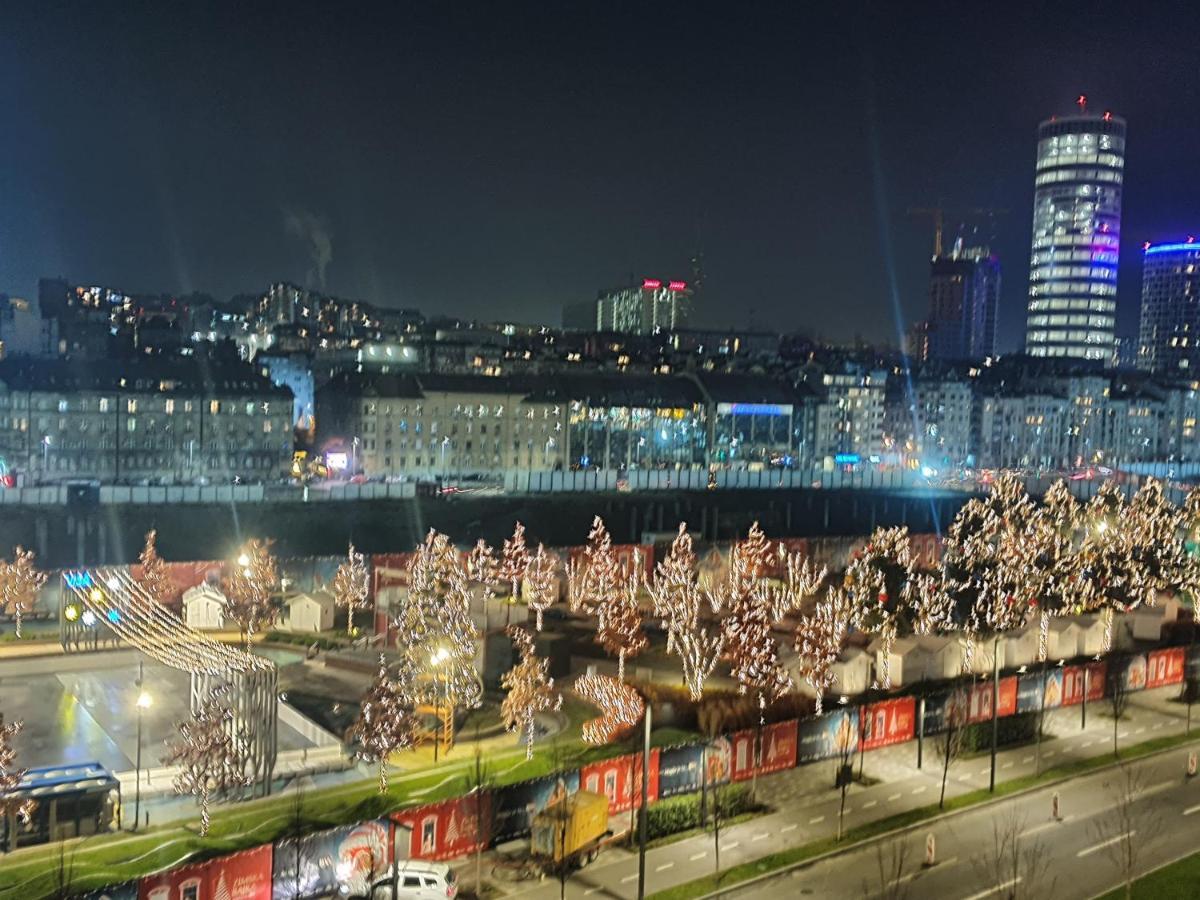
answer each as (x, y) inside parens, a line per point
(72, 801)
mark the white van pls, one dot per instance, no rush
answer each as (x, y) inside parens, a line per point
(416, 879)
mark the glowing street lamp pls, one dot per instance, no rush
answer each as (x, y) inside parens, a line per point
(143, 703)
(439, 656)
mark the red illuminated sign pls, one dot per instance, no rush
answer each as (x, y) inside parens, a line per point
(678, 286)
(651, 284)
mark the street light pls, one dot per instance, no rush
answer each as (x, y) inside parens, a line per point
(45, 451)
(143, 703)
(439, 656)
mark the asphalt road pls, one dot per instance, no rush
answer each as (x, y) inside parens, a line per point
(1079, 851)
(807, 810)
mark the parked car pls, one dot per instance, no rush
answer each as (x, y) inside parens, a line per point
(416, 879)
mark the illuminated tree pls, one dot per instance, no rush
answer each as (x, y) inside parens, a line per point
(10, 777)
(541, 583)
(596, 576)
(386, 720)
(483, 571)
(20, 582)
(514, 560)
(874, 585)
(352, 586)
(207, 754)
(819, 639)
(931, 607)
(682, 606)
(751, 604)
(529, 690)
(619, 621)
(251, 588)
(621, 707)
(434, 629)
(154, 579)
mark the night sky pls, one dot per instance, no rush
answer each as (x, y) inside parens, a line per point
(496, 160)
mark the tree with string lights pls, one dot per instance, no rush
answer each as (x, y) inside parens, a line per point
(596, 575)
(541, 583)
(352, 586)
(483, 572)
(387, 721)
(819, 638)
(20, 582)
(207, 755)
(251, 588)
(684, 609)
(619, 620)
(874, 585)
(10, 779)
(154, 579)
(514, 563)
(529, 690)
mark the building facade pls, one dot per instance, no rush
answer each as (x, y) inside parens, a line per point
(964, 293)
(143, 420)
(652, 306)
(1170, 323)
(1076, 237)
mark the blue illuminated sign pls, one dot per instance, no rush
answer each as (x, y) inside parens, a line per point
(754, 409)
(847, 459)
(78, 579)
(1173, 248)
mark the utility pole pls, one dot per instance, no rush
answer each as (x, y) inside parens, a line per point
(643, 813)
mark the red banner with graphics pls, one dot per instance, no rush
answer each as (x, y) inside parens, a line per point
(778, 750)
(1006, 697)
(889, 722)
(240, 876)
(1165, 667)
(449, 829)
(1073, 682)
(620, 779)
(979, 702)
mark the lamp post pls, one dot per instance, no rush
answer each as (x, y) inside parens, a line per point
(143, 703)
(439, 656)
(45, 453)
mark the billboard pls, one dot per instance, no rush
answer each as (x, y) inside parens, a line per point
(515, 806)
(448, 829)
(778, 751)
(1165, 667)
(239, 876)
(889, 722)
(679, 768)
(350, 857)
(826, 736)
(620, 779)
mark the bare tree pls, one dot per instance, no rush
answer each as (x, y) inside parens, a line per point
(20, 582)
(10, 778)
(1117, 694)
(949, 746)
(352, 586)
(1123, 830)
(477, 784)
(893, 880)
(64, 875)
(1013, 866)
(207, 754)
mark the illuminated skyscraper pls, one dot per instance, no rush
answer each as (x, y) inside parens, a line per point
(1076, 237)
(1169, 339)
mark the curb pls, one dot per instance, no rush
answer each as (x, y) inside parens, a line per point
(904, 829)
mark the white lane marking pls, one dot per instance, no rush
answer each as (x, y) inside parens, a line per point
(732, 846)
(629, 878)
(696, 856)
(665, 866)
(1140, 730)
(1088, 744)
(1120, 837)
(1049, 753)
(994, 890)
(985, 771)
(1026, 759)
(1158, 725)
(893, 798)
(965, 777)
(591, 891)
(869, 804)
(919, 790)
(786, 828)
(760, 837)
(1043, 827)
(1155, 788)
(1191, 809)
(816, 821)
(1007, 765)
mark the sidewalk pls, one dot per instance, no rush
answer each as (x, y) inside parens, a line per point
(806, 802)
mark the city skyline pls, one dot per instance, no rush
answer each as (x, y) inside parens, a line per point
(411, 179)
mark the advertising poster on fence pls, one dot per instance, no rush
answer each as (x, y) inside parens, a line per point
(827, 736)
(1165, 667)
(1007, 696)
(448, 829)
(778, 750)
(1029, 692)
(327, 861)
(679, 769)
(239, 876)
(1073, 682)
(1134, 671)
(515, 805)
(620, 779)
(889, 722)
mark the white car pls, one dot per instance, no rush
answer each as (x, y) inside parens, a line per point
(416, 879)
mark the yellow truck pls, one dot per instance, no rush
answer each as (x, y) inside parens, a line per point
(571, 830)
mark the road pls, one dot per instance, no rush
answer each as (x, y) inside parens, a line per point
(1079, 850)
(806, 810)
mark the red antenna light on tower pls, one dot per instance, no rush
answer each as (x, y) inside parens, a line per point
(1081, 102)
(1107, 116)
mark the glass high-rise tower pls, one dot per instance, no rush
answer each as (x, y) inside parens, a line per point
(1169, 341)
(1076, 237)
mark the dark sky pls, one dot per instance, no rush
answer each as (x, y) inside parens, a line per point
(499, 159)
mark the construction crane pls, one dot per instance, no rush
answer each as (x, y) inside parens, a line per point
(938, 215)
